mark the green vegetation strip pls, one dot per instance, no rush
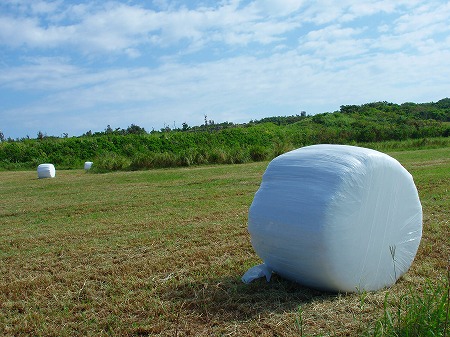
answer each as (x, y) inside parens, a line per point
(161, 253)
(376, 124)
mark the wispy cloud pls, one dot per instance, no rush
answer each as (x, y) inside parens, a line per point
(117, 27)
(95, 63)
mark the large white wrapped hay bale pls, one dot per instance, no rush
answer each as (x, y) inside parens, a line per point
(88, 165)
(46, 171)
(336, 218)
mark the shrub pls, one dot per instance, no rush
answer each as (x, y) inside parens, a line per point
(142, 161)
(111, 161)
(187, 158)
(279, 147)
(258, 153)
(217, 156)
(239, 156)
(165, 159)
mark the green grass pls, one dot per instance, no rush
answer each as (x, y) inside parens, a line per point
(161, 252)
(416, 314)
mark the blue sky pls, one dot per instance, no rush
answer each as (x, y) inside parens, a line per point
(74, 66)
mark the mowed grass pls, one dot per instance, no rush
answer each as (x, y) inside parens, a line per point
(162, 252)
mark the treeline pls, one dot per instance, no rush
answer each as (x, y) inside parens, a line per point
(134, 148)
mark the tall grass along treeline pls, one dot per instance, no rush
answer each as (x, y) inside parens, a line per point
(425, 124)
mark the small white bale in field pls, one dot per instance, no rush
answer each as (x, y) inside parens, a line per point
(88, 165)
(46, 171)
(335, 218)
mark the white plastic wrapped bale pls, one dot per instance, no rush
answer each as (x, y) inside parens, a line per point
(88, 165)
(336, 218)
(46, 171)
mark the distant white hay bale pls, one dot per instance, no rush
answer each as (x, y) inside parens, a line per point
(336, 218)
(46, 171)
(88, 165)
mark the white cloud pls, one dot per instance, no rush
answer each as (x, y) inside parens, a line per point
(359, 9)
(428, 19)
(44, 7)
(276, 7)
(116, 27)
(39, 74)
(92, 64)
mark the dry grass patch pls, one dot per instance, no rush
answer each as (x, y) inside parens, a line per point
(162, 252)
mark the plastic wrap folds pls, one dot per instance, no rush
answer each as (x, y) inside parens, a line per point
(46, 171)
(337, 218)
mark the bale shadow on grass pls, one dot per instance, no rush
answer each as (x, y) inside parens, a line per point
(229, 299)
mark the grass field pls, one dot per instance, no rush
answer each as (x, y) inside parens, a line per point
(162, 252)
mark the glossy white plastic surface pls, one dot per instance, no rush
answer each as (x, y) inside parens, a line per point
(337, 218)
(46, 171)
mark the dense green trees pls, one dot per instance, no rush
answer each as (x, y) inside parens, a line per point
(134, 148)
